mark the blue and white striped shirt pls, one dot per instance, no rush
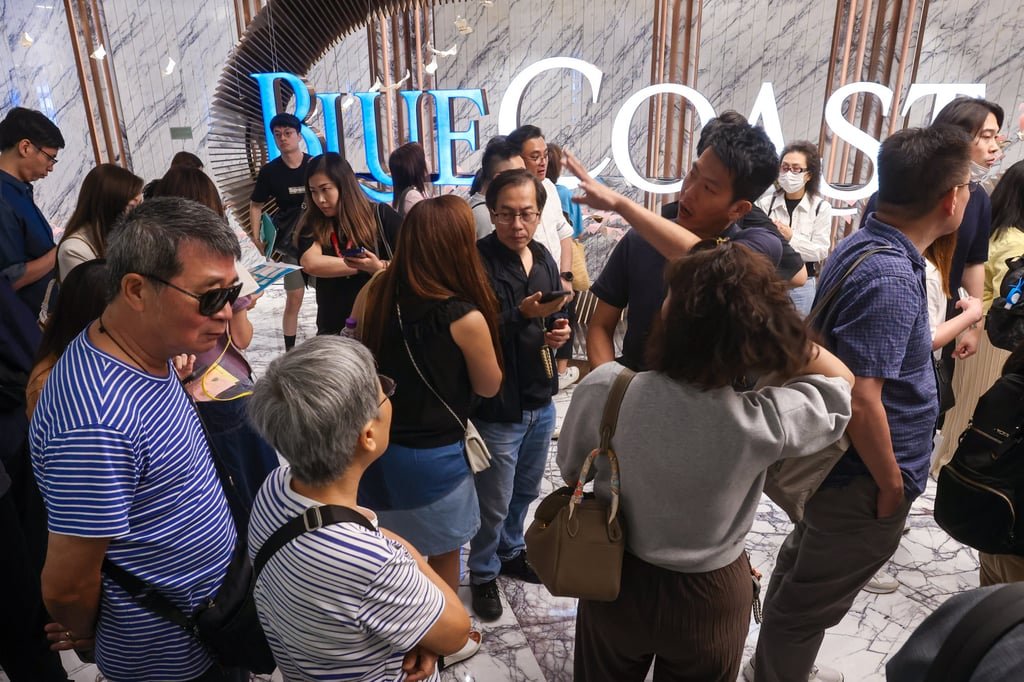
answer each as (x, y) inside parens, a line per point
(121, 454)
(340, 602)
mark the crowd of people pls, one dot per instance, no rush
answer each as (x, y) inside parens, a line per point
(143, 450)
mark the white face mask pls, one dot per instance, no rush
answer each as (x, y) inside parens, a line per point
(981, 173)
(792, 182)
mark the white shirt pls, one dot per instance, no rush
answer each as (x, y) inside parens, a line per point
(811, 223)
(553, 226)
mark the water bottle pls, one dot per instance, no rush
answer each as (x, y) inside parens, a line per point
(350, 328)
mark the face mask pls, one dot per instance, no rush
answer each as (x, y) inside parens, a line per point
(980, 173)
(792, 182)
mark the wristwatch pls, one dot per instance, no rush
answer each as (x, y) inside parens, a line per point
(567, 276)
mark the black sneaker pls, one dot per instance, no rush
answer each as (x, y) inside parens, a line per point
(486, 602)
(519, 567)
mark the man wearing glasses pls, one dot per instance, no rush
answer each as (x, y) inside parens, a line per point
(516, 423)
(553, 231)
(29, 143)
(121, 457)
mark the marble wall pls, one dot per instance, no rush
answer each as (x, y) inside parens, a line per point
(742, 44)
(39, 73)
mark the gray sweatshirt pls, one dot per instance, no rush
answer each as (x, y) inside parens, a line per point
(692, 463)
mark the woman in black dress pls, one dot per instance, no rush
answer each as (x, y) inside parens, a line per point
(342, 238)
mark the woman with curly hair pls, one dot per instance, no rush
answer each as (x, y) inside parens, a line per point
(693, 451)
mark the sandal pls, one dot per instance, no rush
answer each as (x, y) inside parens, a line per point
(468, 650)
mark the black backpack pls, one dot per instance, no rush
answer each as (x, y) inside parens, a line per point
(980, 495)
(1005, 319)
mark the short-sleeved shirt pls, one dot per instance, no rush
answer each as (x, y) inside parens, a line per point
(341, 602)
(878, 325)
(25, 235)
(971, 237)
(335, 296)
(287, 185)
(120, 454)
(634, 278)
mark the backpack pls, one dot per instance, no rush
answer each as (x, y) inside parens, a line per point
(982, 488)
(1005, 319)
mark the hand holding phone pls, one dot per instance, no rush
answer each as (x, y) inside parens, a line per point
(553, 296)
(356, 252)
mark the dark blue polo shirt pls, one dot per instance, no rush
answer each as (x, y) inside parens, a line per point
(25, 235)
(878, 325)
(971, 237)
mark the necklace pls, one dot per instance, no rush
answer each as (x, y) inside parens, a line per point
(104, 330)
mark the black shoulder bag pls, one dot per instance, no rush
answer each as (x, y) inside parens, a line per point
(976, 633)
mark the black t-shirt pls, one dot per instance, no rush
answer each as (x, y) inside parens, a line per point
(791, 205)
(791, 260)
(287, 185)
(419, 419)
(335, 296)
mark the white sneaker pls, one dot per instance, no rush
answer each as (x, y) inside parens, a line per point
(882, 583)
(818, 673)
(569, 377)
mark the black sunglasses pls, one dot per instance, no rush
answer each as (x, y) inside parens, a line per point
(210, 302)
(387, 387)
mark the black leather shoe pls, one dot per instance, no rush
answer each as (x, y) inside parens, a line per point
(486, 601)
(519, 567)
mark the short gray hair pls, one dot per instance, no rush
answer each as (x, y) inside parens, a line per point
(312, 403)
(148, 239)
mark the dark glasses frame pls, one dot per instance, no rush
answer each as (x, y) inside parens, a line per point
(212, 301)
(387, 387)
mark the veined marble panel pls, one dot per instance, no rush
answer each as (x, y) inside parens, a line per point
(509, 36)
(40, 74)
(346, 68)
(198, 36)
(970, 41)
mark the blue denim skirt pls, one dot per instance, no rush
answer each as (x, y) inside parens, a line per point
(426, 495)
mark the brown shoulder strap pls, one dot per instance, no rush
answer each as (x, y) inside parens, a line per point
(611, 406)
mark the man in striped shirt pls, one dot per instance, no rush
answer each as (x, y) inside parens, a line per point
(120, 456)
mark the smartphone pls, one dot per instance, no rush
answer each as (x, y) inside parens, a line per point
(963, 294)
(553, 296)
(357, 252)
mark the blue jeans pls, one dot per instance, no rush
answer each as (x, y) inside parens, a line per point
(803, 296)
(519, 453)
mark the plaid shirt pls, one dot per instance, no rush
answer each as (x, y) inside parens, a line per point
(878, 325)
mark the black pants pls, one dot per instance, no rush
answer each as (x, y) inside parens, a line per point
(24, 650)
(692, 625)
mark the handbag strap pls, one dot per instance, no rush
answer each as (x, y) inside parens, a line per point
(412, 359)
(380, 231)
(976, 633)
(312, 519)
(825, 300)
(609, 420)
(146, 595)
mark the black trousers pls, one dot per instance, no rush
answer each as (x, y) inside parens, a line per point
(691, 625)
(24, 650)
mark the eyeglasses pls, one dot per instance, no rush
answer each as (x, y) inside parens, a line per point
(210, 302)
(969, 185)
(507, 217)
(537, 157)
(786, 168)
(51, 157)
(387, 387)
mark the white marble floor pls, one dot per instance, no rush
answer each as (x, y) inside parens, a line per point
(534, 638)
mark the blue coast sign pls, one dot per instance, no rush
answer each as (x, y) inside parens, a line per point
(765, 109)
